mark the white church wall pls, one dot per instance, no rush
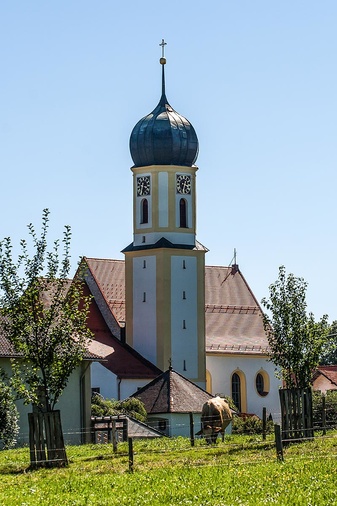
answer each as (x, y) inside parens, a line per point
(222, 367)
(110, 386)
(184, 316)
(144, 307)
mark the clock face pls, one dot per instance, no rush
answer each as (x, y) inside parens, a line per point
(183, 184)
(143, 185)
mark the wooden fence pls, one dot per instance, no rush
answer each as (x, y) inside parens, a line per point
(46, 440)
(296, 413)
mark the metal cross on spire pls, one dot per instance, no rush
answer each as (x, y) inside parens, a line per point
(163, 44)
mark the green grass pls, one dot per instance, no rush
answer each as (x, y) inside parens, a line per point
(242, 471)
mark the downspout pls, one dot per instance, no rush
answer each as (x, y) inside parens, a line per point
(82, 402)
(119, 388)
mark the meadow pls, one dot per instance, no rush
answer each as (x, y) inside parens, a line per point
(243, 470)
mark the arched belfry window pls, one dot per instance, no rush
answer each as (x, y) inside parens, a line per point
(144, 211)
(183, 213)
(236, 390)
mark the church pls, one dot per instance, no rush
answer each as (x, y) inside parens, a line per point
(161, 308)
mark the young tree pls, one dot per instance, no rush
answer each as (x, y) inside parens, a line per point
(43, 316)
(295, 339)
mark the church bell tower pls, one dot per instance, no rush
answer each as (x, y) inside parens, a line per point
(165, 265)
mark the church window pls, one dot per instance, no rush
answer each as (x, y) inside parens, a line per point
(144, 264)
(144, 297)
(262, 383)
(144, 211)
(236, 390)
(184, 324)
(184, 264)
(183, 213)
(185, 365)
(259, 383)
(184, 295)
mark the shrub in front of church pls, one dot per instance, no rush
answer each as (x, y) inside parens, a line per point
(250, 425)
(112, 407)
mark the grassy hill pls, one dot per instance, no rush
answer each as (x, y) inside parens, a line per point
(243, 471)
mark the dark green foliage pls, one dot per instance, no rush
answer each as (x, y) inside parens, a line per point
(250, 425)
(111, 407)
(329, 351)
(43, 315)
(295, 339)
(9, 427)
(330, 406)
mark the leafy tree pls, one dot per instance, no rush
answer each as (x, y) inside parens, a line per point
(9, 427)
(43, 315)
(329, 351)
(110, 407)
(295, 339)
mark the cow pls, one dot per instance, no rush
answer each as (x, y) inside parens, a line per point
(216, 415)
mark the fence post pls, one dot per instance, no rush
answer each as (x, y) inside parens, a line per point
(278, 441)
(324, 414)
(191, 429)
(130, 441)
(264, 423)
(114, 436)
(125, 429)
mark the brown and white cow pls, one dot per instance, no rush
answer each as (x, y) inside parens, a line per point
(216, 415)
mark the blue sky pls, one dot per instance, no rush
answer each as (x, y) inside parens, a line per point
(257, 79)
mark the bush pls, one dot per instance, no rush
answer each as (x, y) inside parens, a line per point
(250, 425)
(111, 407)
(9, 427)
(330, 405)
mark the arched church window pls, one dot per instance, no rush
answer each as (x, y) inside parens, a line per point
(259, 383)
(262, 383)
(236, 390)
(144, 211)
(183, 213)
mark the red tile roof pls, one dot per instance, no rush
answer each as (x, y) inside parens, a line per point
(110, 278)
(329, 371)
(121, 359)
(233, 315)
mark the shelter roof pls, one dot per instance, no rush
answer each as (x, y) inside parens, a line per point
(172, 393)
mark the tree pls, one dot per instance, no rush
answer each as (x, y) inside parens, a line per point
(329, 351)
(9, 427)
(43, 316)
(295, 339)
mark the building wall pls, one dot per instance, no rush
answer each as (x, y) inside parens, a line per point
(323, 384)
(221, 368)
(74, 405)
(110, 386)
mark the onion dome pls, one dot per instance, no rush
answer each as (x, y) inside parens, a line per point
(163, 137)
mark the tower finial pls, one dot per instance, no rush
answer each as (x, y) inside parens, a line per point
(163, 59)
(162, 62)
